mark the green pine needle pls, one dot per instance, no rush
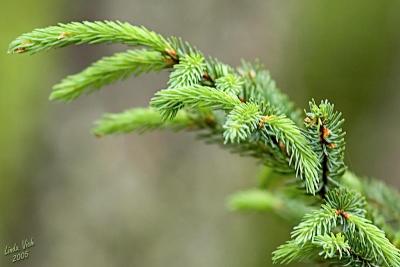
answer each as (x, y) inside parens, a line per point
(140, 120)
(282, 131)
(371, 242)
(169, 101)
(230, 83)
(318, 222)
(333, 246)
(292, 252)
(108, 70)
(188, 72)
(87, 33)
(325, 133)
(241, 122)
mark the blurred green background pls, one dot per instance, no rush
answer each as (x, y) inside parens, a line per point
(158, 199)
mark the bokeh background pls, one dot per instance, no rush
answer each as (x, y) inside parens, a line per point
(159, 199)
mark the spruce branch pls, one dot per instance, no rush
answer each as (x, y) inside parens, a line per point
(244, 111)
(87, 33)
(324, 130)
(293, 252)
(241, 122)
(140, 120)
(333, 249)
(368, 244)
(371, 242)
(333, 246)
(175, 51)
(169, 101)
(108, 70)
(383, 203)
(230, 83)
(317, 222)
(189, 71)
(345, 200)
(282, 131)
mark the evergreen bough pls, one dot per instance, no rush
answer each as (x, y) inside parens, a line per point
(344, 220)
